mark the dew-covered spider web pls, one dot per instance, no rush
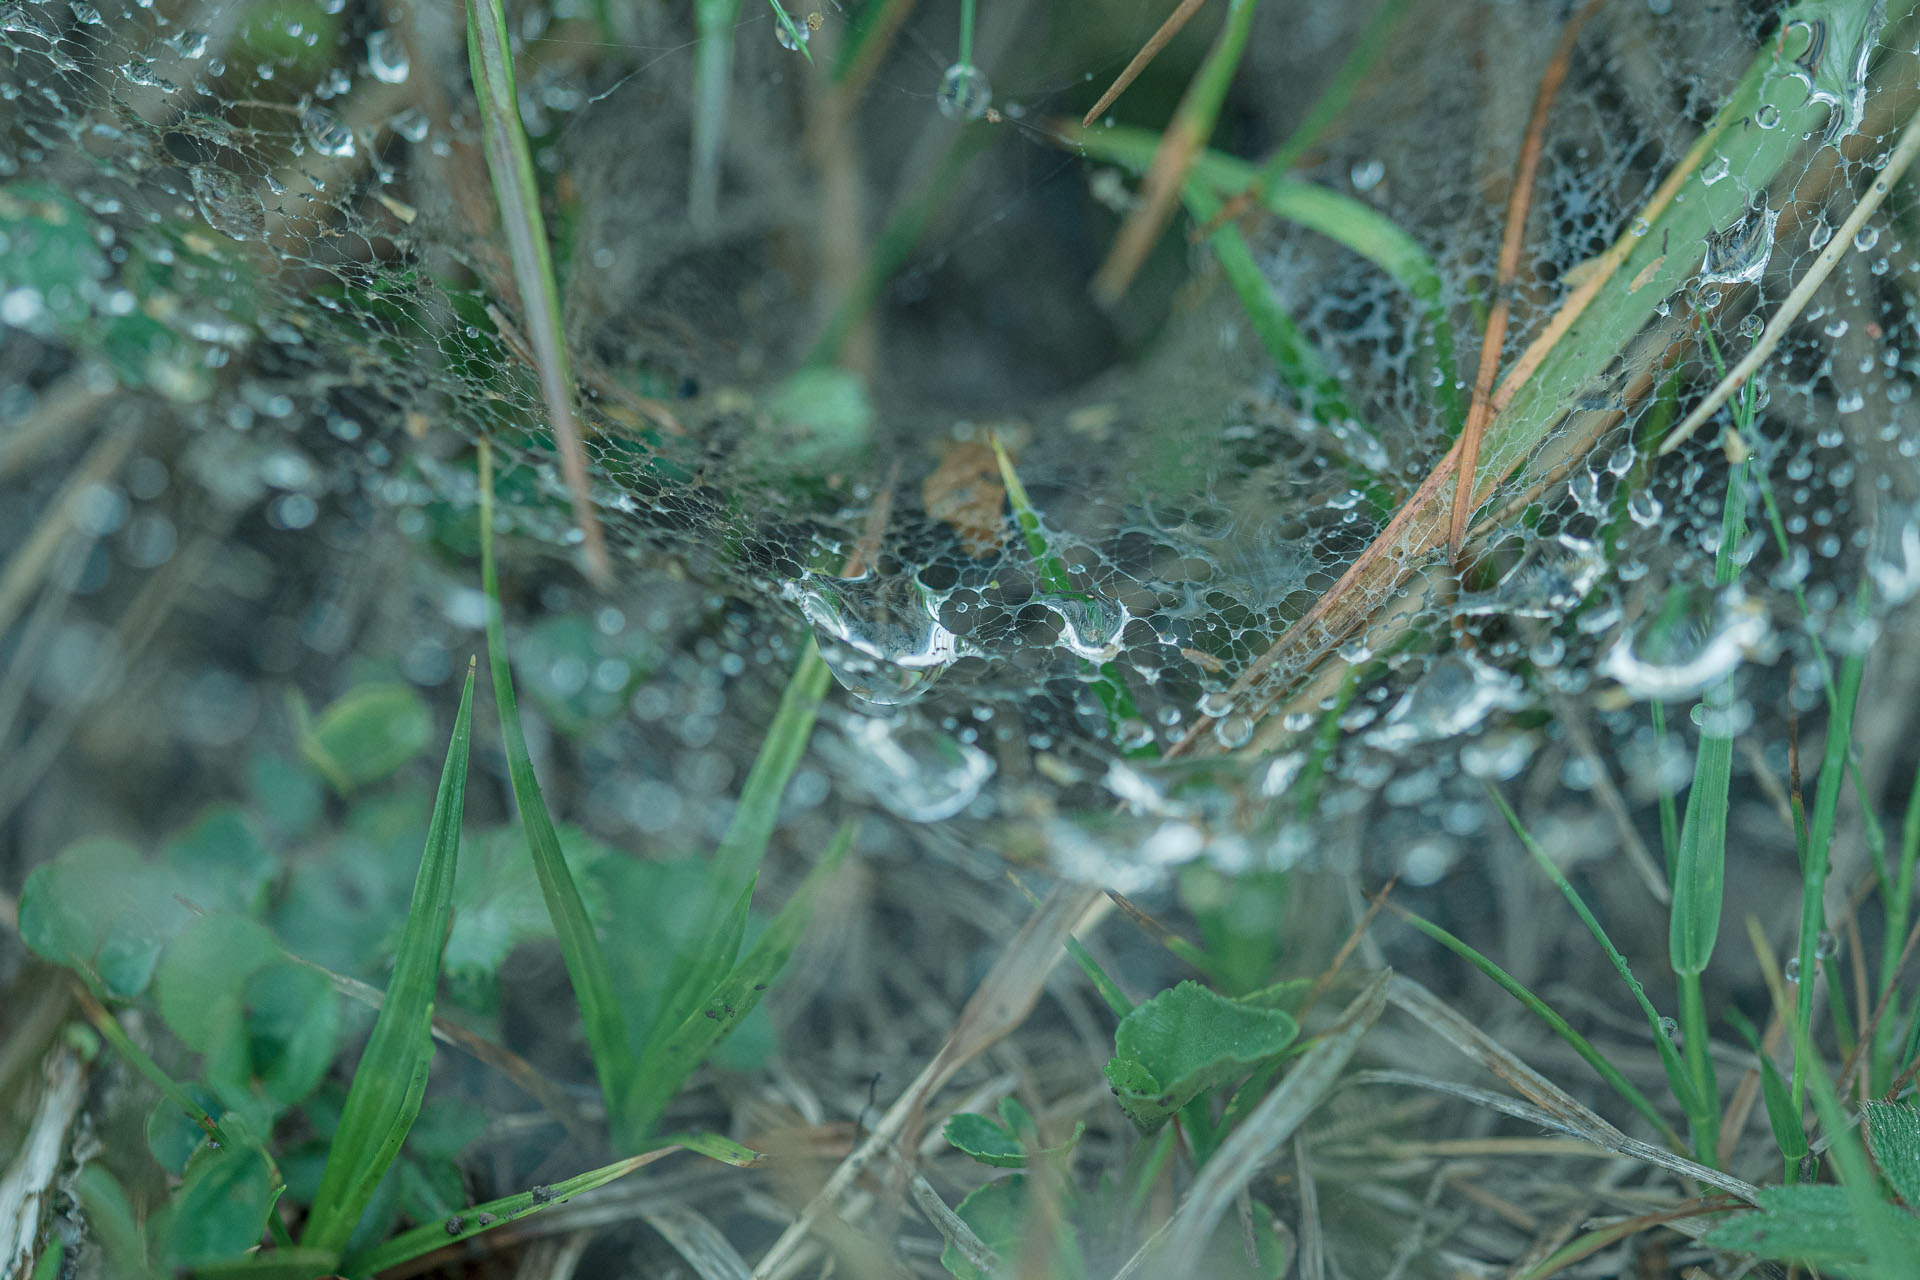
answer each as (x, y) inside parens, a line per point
(257, 311)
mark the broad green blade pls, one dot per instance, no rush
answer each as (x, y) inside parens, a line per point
(587, 969)
(392, 1075)
(670, 1058)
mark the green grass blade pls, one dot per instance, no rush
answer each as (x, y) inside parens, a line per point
(1109, 990)
(795, 34)
(1899, 905)
(1628, 1091)
(586, 961)
(712, 70)
(392, 1075)
(1813, 872)
(1348, 222)
(516, 193)
(470, 1222)
(170, 1089)
(1677, 1076)
(1669, 812)
(670, 1058)
(737, 862)
(1789, 1135)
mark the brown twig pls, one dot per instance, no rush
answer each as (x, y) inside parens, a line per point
(1159, 40)
(1519, 201)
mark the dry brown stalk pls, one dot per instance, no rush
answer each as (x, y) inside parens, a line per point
(1513, 240)
(1148, 52)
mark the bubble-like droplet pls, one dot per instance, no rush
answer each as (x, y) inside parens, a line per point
(227, 206)
(1825, 945)
(1714, 170)
(1670, 1028)
(387, 58)
(326, 133)
(913, 769)
(1792, 970)
(1738, 254)
(789, 33)
(964, 92)
(1768, 116)
(1367, 175)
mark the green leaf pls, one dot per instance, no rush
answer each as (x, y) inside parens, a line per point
(293, 1027)
(985, 1141)
(498, 905)
(1893, 1132)
(367, 734)
(221, 1209)
(111, 1219)
(198, 986)
(1185, 1041)
(997, 1213)
(669, 1059)
(99, 909)
(220, 862)
(1810, 1224)
(586, 961)
(392, 1074)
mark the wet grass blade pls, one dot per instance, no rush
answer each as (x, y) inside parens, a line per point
(669, 1058)
(517, 195)
(392, 1075)
(1813, 875)
(1185, 135)
(470, 1222)
(736, 864)
(586, 961)
(1677, 1076)
(1628, 1091)
(1342, 219)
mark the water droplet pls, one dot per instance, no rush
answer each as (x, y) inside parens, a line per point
(1640, 227)
(227, 207)
(1768, 116)
(964, 92)
(387, 58)
(1555, 575)
(1865, 238)
(411, 124)
(1644, 509)
(913, 769)
(1714, 170)
(1739, 253)
(1792, 969)
(882, 638)
(326, 132)
(1691, 641)
(1670, 1029)
(1825, 945)
(86, 14)
(1366, 175)
(1089, 627)
(785, 30)
(1455, 695)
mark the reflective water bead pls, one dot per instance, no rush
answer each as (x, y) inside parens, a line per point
(964, 92)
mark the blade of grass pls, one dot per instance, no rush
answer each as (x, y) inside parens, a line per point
(1677, 1076)
(1342, 219)
(1813, 874)
(587, 968)
(736, 863)
(387, 1085)
(470, 1222)
(668, 1059)
(114, 1034)
(1326, 109)
(517, 194)
(1512, 240)
(1899, 906)
(1185, 135)
(1645, 267)
(712, 69)
(1628, 1091)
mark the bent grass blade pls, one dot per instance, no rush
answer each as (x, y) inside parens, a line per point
(392, 1075)
(670, 1057)
(586, 960)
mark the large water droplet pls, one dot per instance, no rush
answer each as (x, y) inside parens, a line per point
(1555, 575)
(1455, 695)
(1692, 641)
(387, 58)
(913, 769)
(964, 92)
(326, 133)
(1739, 253)
(882, 638)
(228, 207)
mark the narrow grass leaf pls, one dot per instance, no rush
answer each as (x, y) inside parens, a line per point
(424, 1239)
(669, 1059)
(392, 1075)
(516, 193)
(1789, 1134)
(1628, 1091)
(138, 1058)
(737, 862)
(1677, 1076)
(1109, 989)
(586, 961)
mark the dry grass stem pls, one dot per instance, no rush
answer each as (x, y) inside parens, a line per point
(1159, 40)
